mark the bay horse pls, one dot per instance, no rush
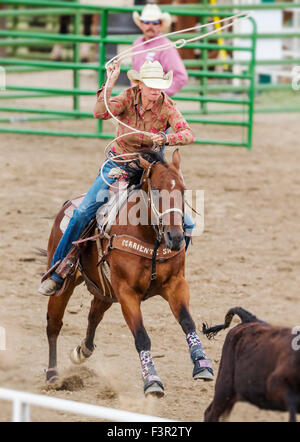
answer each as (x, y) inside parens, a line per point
(151, 171)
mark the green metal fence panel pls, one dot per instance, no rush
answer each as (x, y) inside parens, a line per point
(205, 93)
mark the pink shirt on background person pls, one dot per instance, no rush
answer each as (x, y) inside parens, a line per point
(169, 59)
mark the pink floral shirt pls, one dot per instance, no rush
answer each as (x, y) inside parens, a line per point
(127, 108)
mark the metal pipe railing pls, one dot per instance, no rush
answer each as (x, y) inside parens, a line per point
(22, 401)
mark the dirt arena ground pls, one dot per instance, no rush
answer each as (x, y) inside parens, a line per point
(248, 255)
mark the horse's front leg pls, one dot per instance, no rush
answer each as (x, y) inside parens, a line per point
(178, 296)
(130, 302)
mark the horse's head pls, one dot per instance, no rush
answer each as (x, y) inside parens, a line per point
(164, 185)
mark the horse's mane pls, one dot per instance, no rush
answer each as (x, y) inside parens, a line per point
(135, 171)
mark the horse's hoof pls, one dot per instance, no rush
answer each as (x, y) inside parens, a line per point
(205, 374)
(76, 356)
(51, 376)
(154, 390)
(81, 353)
(203, 370)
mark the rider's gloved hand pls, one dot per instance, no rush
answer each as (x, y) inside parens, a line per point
(160, 139)
(113, 72)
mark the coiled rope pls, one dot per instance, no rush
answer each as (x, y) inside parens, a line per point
(132, 51)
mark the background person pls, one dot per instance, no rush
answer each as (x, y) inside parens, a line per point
(152, 23)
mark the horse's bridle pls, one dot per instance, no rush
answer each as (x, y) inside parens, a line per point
(159, 215)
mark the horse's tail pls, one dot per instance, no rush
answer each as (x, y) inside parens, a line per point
(40, 252)
(245, 316)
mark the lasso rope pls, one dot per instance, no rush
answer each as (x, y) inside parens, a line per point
(177, 44)
(132, 51)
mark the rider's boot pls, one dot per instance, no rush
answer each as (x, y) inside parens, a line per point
(66, 268)
(49, 287)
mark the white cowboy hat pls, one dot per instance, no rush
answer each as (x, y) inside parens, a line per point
(151, 13)
(152, 74)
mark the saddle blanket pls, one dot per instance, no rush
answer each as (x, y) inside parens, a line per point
(106, 214)
(105, 217)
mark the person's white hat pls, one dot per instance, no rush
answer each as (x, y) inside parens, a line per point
(152, 13)
(152, 74)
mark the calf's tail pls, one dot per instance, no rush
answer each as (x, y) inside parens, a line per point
(245, 316)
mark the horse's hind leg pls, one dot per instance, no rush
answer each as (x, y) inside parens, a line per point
(86, 348)
(55, 313)
(130, 304)
(177, 294)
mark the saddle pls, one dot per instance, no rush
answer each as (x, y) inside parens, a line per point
(98, 230)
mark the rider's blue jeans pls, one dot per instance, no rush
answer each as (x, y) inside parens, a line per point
(85, 212)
